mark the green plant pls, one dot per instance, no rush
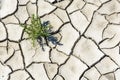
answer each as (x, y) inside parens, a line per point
(39, 31)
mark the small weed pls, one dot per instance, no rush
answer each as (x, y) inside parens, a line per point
(40, 31)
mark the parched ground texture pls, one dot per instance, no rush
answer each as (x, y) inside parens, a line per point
(89, 32)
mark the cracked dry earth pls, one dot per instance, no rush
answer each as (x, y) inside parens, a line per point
(89, 32)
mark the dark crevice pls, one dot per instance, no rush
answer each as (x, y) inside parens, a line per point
(55, 1)
(114, 76)
(109, 38)
(36, 7)
(104, 31)
(56, 73)
(92, 66)
(83, 5)
(94, 43)
(54, 5)
(17, 18)
(91, 3)
(3, 40)
(6, 36)
(30, 74)
(28, 78)
(50, 55)
(74, 11)
(104, 3)
(115, 24)
(108, 73)
(26, 19)
(10, 68)
(112, 47)
(9, 57)
(102, 41)
(48, 13)
(5, 31)
(84, 16)
(93, 16)
(98, 61)
(60, 7)
(46, 72)
(27, 9)
(23, 4)
(81, 60)
(64, 62)
(98, 70)
(22, 54)
(59, 18)
(62, 77)
(107, 19)
(13, 41)
(6, 65)
(77, 9)
(59, 29)
(100, 77)
(114, 61)
(75, 43)
(24, 64)
(71, 22)
(69, 4)
(60, 67)
(9, 77)
(32, 64)
(35, 63)
(62, 52)
(23, 31)
(86, 78)
(11, 13)
(89, 23)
